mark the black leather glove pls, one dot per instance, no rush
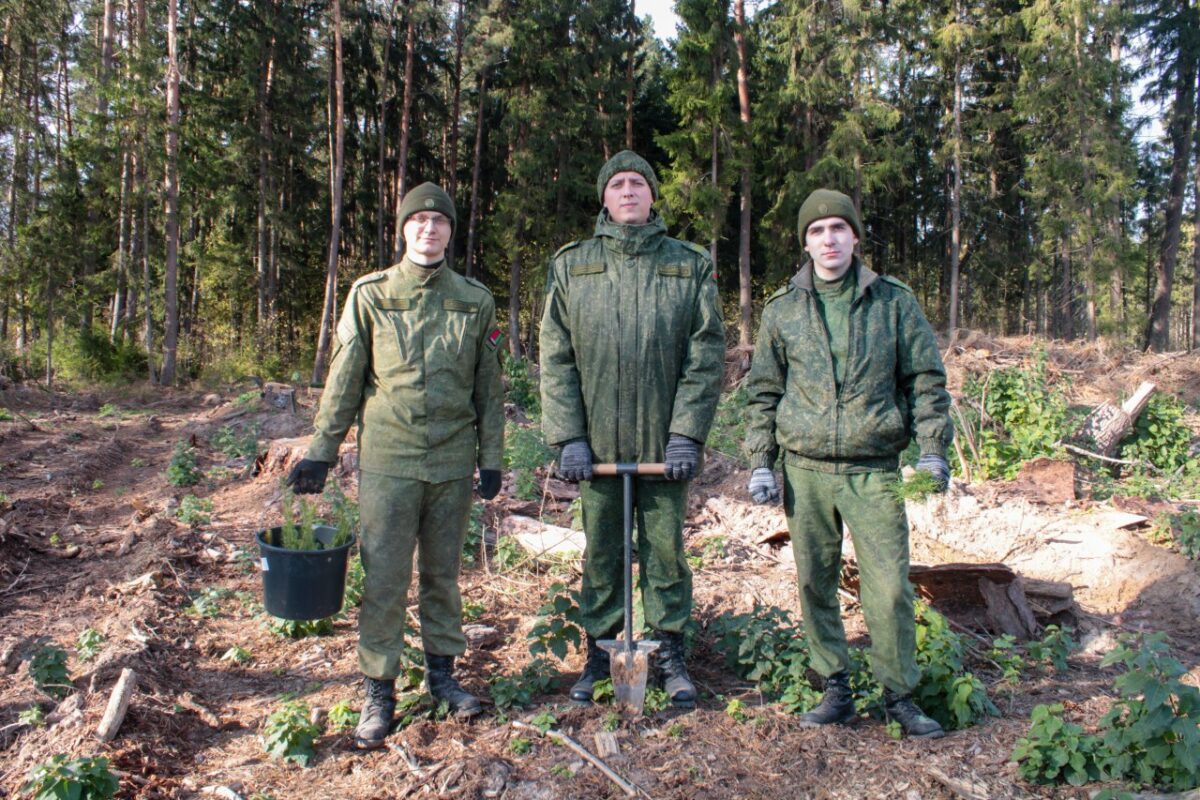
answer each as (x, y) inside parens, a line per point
(308, 477)
(682, 455)
(575, 461)
(489, 483)
(936, 466)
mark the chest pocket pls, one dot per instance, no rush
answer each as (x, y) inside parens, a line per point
(453, 343)
(394, 341)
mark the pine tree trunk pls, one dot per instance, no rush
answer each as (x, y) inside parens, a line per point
(956, 193)
(1158, 334)
(118, 305)
(455, 105)
(171, 294)
(331, 266)
(263, 309)
(745, 289)
(383, 253)
(476, 168)
(630, 83)
(410, 45)
(1195, 343)
(514, 289)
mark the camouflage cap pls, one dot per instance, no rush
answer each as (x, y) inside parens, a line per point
(626, 161)
(827, 203)
(428, 197)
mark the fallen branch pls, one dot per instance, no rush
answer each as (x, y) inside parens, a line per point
(1089, 454)
(118, 704)
(625, 786)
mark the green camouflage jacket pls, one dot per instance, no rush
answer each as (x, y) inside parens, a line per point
(632, 342)
(416, 365)
(894, 386)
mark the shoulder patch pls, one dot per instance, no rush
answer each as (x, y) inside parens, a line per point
(370, 277)
(898, 282)
(566, 247)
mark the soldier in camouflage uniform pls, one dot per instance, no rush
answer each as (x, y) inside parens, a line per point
(846, 371)
(632, 351)
(416, 366)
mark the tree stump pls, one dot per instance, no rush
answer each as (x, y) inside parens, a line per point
(1107, 425)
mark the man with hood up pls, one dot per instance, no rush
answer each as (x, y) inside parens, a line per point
(632, 354)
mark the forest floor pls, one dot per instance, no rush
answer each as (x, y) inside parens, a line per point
(89, 538)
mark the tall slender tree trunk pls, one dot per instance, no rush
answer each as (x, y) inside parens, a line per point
(514, 290)
(410, 46)
(745, 289)
(171, 268)
(1116, 231)
(383, 253)
(1158, 333)
(630, 83)
(1085, 157)
(455, 104)
(331, 266)
(118, 304)
(1195, 337)
(262, 235)
(956, 193)
(476, 169)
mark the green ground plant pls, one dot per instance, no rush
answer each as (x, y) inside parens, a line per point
(525, 452)
(522, 385)
(194, 511)
(237, 655)
(559, 625)
(735, 709)
(182, 470)
(1008, 657)
(234, 444)
(656, 700)
(1149, 737)
(88, 645)
(298, 628)
(508, 554)
(1025, 415)
(947, 692)
(342, 717)
(289, 735)
(518, 691)
(356, 577)
(109, 410)
(48, 669)
(6, 415)
(544, 721)
(729, 425)
(766, 647)
(206, 603)
(520, 745)
(76, 779)
(33, 716)
(916, 487)
(1053, 648)
(1161, 436)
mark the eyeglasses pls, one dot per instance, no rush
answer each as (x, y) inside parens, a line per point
(439, 220)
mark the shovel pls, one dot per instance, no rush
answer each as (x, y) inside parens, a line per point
(629, 660)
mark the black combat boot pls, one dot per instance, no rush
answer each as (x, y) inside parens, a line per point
(914, 721)
(676, 683)
(376, 718)
(439, 677)
(597, 668)
(836, 707)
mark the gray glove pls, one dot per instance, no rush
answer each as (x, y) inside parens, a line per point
(936, 466)
(763, 487)
(308, 477)
(575, 461)
(682, 456)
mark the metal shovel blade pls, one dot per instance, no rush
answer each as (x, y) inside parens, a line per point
(629, 668)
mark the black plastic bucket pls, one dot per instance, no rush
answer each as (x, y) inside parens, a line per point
(303, 584)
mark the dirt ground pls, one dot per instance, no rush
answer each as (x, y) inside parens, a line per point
(88, 537)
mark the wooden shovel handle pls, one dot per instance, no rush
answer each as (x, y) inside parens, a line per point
(613, 470)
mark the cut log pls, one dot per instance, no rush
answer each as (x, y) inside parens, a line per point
(1107, 425)
(607, 746)
(118, 704)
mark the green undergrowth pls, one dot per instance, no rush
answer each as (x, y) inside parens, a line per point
(1149, 737)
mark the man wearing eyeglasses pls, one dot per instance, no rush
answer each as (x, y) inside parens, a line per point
(417, 366)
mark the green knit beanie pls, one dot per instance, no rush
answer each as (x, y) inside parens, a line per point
(626, 161)
(827, 203)
(428, 197)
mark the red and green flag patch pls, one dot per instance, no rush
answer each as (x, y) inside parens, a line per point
(494, 338)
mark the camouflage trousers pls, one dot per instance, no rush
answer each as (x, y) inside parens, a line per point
(664, 577)
(816, 504)
(400, 515)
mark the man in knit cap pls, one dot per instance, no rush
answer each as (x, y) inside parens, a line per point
(632, 352)
(416, 365)
(846, 372)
